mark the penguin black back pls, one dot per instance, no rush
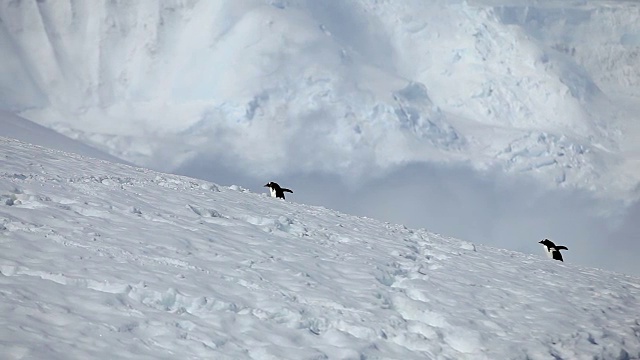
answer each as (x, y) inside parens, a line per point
(553, 250)
(277, 191)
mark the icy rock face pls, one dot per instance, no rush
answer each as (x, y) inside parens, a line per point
(417, 113)
(366, 86)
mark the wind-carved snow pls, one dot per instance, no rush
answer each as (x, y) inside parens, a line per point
(322, 85)
(103, 261)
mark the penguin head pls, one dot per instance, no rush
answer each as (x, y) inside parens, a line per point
(269, 184)
(546, 242)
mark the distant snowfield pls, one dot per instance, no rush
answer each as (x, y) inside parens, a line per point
(102, 260)
(349, 88)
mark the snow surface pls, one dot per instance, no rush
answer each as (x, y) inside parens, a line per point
(102, 260)
(354, 88)
(16, 127)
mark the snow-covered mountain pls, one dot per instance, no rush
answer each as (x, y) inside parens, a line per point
(348, 88)
(102, 260)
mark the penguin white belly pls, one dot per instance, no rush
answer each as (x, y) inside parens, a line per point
(272, 191)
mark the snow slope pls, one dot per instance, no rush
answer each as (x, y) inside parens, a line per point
(15, 127)
(354, 88)
(103, 260)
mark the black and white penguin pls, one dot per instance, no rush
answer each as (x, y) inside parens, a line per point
(276, 190)
(552, 250)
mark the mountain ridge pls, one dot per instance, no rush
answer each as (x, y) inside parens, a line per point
(257, 76)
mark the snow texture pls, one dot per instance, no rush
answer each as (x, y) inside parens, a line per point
(106, 261)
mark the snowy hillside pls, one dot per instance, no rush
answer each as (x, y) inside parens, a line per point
(102, 261)
(15, 127)
(349, 88)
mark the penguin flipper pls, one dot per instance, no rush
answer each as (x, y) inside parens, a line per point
(557, 256)
(287, 190)
(562, 247)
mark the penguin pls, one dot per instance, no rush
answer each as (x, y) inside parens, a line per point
(553, 250)
(276, 190)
